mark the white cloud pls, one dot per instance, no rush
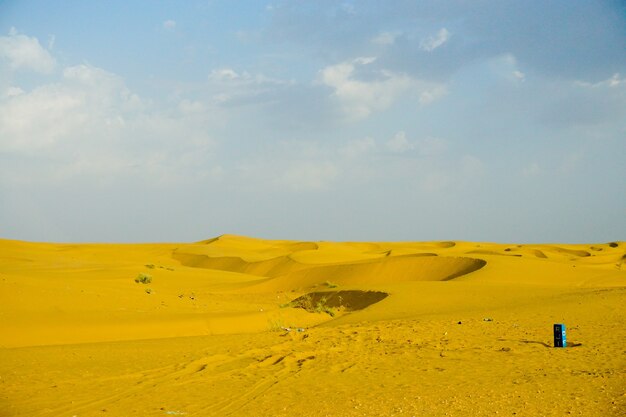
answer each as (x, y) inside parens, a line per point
(13, 91)
(358, 147)
(424, 147)
(359, 98)
(23, 52)
(293, 165)
(92, 76)
(191, 106)
(229, 75)
(169, 24)
(230, 87)
(365, 60)
(385, 38)
(31, 121)
(224, 74)
(311, 165)
(88, 124)
(399, 143)
(519, 75)
(431, 43)
(613, 82)
(433, 93)
(506, 66)
(616, 81)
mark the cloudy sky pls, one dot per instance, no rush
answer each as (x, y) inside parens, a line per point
(322, 120)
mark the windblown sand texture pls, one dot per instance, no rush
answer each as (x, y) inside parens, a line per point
(235, 326)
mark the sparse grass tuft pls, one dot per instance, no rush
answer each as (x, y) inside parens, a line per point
(275, 325)
(149, 266)
(148, 290)
(321, 307)
(330, 284)
(143, 279)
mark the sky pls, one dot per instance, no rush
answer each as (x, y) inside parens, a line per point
(148, 121)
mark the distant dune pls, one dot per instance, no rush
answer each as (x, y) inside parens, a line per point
(241, 326)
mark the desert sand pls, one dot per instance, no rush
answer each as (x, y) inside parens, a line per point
(236, 326)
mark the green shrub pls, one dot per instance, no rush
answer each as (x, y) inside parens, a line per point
(143, 279)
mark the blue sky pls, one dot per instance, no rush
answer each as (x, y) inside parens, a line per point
(327, 120)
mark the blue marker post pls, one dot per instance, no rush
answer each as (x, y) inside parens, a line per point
(560, 339)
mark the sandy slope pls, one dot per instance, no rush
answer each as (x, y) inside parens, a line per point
(407, 328)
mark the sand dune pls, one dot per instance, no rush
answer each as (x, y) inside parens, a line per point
(241, 326)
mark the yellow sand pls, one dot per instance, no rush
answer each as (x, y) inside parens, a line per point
(465, 329)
